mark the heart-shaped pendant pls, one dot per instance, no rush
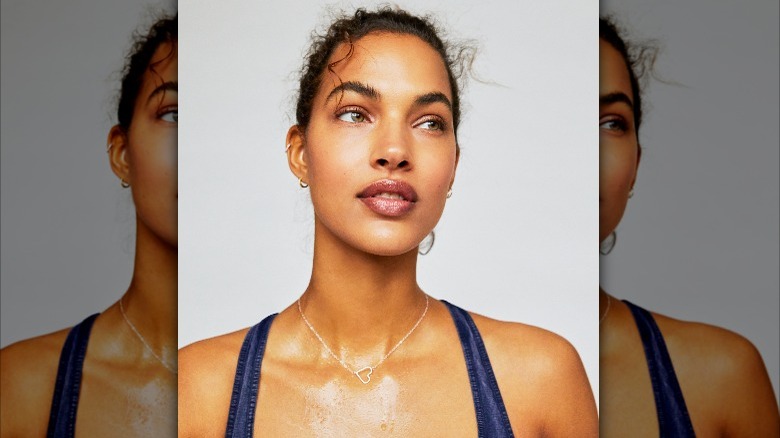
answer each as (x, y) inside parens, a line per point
(367, 378)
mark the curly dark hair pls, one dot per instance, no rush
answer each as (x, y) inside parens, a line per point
(138, 59)
(348, 29)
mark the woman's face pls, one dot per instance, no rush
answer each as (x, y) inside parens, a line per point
(379, 153)
(618, 144)
(146, 155)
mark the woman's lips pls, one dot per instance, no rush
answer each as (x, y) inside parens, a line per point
(389, 197)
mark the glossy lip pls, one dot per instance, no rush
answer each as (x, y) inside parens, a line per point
(386, 206)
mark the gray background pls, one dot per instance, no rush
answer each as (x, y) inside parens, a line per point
(699, 240)
(67, 228)
(517, 239)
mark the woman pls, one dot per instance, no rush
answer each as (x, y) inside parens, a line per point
(365, 351)
(661, 375)
(114, 373)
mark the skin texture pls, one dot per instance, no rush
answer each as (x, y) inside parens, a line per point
(723, 379)
(363, 257)
(125, 391)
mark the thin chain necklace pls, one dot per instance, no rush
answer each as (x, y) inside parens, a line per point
(363, 374)
(143, 341)
(609, 300)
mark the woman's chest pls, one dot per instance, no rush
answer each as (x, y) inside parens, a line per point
(411, 400)
(121, 408)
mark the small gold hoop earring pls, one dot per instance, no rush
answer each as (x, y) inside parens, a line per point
(631, 193)
(124, 183)
(108, 149)
(287, 147)
(301, 183)
(449, 193)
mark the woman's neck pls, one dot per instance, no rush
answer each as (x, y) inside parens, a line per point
(617, 330)
(361, 302)
(151, 299)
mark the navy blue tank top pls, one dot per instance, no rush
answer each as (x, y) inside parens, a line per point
(62, 417)
(492, 419)
(673, 419)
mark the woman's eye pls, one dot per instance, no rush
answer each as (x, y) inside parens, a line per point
(432, 125)
(352, 117)
(614, 125)
(171, 116)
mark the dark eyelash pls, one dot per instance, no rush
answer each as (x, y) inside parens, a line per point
(162, 111)
(351, 109)
(442, 123)
(619, 123)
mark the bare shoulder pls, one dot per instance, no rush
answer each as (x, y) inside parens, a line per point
(714, 353)
(541, 376)
(722, 350)
(208, 352)
(205, 364)
(722, 371)
(206, 372)
(24, 356)
(28, 370)
(522, 348)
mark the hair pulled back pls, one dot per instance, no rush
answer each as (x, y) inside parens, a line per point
(138, 59)
(349, 29)
(639, 60)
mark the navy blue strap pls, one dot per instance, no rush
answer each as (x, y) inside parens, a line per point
(673, 419)
(62, 417)
(243, 402)
(492, 419)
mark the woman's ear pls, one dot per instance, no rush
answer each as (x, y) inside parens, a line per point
(117, 154)
(296, 154)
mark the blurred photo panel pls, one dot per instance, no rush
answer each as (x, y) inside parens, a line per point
(688, 203)
(89, 218)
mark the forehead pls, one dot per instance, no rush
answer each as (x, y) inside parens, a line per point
(391, 62)
(613, 71)
(163, 67)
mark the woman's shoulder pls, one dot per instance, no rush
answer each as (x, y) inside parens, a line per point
(31, 359)
(215, 348)
(206, 372)
(209, 361)
(723, 371)
(37, 347)
(540, 374)
(707, 348)
(28, 369)
(517, 343)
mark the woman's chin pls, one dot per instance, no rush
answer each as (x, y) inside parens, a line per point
(389, 250)
(389, 246)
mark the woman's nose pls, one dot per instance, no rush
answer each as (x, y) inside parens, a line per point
(392, 162)
(393, 150)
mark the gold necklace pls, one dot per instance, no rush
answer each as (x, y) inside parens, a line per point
(363, 374)
(143, 340)
(609, 300)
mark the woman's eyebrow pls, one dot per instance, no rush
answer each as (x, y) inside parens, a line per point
(433, 97)
(615, 97)
(165, 86)
(371, 93)
(357, 87)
